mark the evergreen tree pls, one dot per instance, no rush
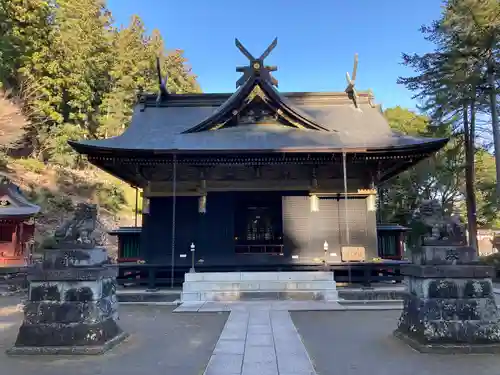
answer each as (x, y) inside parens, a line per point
(84, 75)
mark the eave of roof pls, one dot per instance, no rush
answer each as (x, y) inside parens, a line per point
(427, 145)
(235, 140)
(19, 205)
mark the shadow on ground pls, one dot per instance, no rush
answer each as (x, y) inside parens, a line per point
(361, 342)
(160, 342)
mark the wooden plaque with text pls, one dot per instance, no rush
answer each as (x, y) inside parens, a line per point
(353, 253)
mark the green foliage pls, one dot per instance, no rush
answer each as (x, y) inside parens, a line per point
(58, 149)
(455, 84)
(434, 178)
(4, 160)
(87, 72)
(491, 260)
(110, 196)
(32, 165)
(49, 200)
(488, 212)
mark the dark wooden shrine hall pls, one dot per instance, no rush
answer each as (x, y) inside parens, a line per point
(258, 177)
(17, 225)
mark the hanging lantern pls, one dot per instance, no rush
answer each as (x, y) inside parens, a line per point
(314, 202)
(202, 204)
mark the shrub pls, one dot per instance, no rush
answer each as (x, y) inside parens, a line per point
(110, 196)
(4, 160)
(32, 165)
(46, 198)
(491, 260)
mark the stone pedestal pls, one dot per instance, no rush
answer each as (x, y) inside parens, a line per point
(72, 306)
(238, 286)
(449, 306)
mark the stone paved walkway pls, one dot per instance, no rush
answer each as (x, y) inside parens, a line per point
(258, 305)
(259, 342)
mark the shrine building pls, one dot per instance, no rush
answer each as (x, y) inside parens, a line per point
(17, 225)
(258, 177)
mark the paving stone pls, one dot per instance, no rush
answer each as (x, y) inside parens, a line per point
(259, 319)
(259, 368)
(233, 334)
(230, 347)
(259, 340)
(224, 364)
(238, 315)
(237, 324)
(295, 363)
(189, 307)
(221, 308)
(292, 349)
(259, 329)
(259, 354)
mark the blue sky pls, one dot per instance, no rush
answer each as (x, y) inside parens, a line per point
(317, 39)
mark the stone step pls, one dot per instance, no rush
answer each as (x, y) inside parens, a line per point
(259, 276)
(376, 294)
(271, 286)
(371, 302)
(249, 295)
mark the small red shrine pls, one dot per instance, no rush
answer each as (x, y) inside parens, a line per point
(17, 225)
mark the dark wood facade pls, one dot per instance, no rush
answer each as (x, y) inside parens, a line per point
(257, 176)
(285, 231)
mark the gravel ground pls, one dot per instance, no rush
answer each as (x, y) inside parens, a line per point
(160, 343)
(361, 342)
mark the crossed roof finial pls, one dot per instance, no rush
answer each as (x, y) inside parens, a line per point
(351, 82)
(162, 82)
(256, 67)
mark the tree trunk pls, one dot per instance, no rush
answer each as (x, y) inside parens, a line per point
(494, 116)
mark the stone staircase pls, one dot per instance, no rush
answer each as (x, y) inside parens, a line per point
(244, 286)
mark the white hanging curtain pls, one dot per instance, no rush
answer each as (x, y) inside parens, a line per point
(314, 202)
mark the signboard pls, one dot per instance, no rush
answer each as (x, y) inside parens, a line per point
(353, 253)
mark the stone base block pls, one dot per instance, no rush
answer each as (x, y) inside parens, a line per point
(259, 276)
(67, 335)
(69, 350)
(447, 348)
(237, 286)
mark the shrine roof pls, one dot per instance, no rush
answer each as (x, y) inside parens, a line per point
(258, 118)
(13, 203)
(163, 129)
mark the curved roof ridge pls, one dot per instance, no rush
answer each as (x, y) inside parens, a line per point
(240, 100)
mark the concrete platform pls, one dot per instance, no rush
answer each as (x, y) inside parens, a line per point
(236, 286)
(225, 306)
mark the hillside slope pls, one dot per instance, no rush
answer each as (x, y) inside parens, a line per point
(57, 190)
